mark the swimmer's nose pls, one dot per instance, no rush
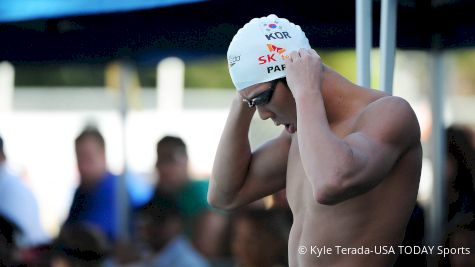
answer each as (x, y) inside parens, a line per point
(265, 113)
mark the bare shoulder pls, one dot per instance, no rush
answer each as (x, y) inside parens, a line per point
(278, 144)
(390, 120)
(283, 141)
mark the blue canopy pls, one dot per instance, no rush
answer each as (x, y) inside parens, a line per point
(60, 31)
(17, 10)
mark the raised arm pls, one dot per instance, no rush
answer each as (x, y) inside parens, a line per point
(355, 164)
(339, 168)
(240, 176)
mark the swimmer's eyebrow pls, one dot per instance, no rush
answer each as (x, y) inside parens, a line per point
(253, 96)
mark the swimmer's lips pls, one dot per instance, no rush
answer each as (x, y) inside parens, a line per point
(288, 126)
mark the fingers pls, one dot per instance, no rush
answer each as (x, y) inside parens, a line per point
(302, 53)
(294, 55)
(313, 52)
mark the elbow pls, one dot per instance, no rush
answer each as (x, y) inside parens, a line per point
(330, 192)
(222, 206)
(214, 202)
(323, 197)
(213, 198)
(336, 186)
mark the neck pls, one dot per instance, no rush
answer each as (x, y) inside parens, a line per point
(90, 182)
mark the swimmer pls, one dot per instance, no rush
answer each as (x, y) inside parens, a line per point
(349, 157)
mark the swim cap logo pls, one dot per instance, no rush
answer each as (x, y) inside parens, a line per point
(264, 44)
(271, 57)
(272, 26)
(233, 60)
(273, 48)
(278, 35)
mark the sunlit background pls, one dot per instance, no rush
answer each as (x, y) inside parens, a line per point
(44, 104)
(48, 108)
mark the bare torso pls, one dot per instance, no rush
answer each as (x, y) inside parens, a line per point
(375, 218)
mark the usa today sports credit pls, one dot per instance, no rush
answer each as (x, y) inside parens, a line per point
(382, 250)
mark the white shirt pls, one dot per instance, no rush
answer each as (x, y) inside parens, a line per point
(18, 204)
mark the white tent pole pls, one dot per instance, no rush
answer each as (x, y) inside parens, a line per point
(387, 43)
(435, 223)
(122, 200)
(170, 84)
(7, 86)
(363, 41)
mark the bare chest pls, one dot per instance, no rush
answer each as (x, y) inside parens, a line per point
(299, 192)
(298, 188)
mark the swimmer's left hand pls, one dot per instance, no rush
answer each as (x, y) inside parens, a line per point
(304, 70)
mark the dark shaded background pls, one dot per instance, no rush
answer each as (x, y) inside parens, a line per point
(206, 28)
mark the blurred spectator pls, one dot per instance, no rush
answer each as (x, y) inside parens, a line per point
(460, 238)
(279, 200)
(80, 245)
(8, 248)
(140, 190)
(161, 232)
(460, 162)
(18, 204)
(414, 237)
(463, 237)
(259, 238)
(94, 199)
(206, 228)
(460, 228)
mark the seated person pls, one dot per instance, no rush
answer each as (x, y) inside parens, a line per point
(18, 204)
(205, 227)
(160, 230)
(259, 238)
(94, 201)
(8, 247)
(80, 245)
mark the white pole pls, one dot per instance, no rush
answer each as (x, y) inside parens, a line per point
(387, 44)
(122, 201)
(170, 84)
(364, 38)
(7, 85)
(436, 213)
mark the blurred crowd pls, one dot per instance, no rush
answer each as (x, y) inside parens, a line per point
(175, 226)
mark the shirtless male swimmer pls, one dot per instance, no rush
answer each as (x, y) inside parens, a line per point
(349, 157)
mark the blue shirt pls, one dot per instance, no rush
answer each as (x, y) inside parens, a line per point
(97, 206)
(179, 253)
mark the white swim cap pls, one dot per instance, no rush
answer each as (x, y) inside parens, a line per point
(258, 50)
